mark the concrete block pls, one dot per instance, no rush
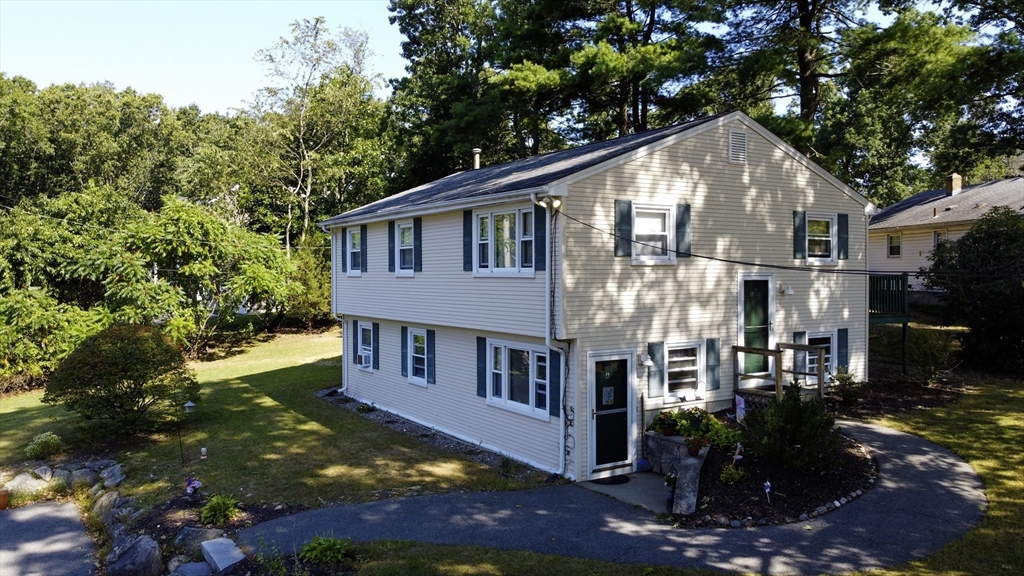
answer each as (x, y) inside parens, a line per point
(222, 554)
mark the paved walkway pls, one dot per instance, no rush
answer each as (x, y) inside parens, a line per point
(44, 538)
(924, 498)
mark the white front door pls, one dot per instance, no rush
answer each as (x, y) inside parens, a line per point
(611, 387)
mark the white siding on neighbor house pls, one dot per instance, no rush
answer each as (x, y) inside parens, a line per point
(917, 244)
(740, 212)
(451, 405)
(442, 294)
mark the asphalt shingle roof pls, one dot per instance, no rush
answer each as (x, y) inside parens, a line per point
(524, 174)
(933, 207)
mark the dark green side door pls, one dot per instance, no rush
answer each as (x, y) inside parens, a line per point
(611, 417)
(756, 324)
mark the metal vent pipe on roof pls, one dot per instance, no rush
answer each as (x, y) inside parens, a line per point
(476, 158)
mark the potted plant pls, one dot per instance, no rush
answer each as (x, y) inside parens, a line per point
(695, 442)
(664, 423)
(694, 418)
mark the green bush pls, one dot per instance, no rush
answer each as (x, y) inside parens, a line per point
(219, 510)
(794, 432)
(931, 351)
(731, 474)
(846, 384)
(119, 374)
(720, 435)
(44, 445)
(325, 550)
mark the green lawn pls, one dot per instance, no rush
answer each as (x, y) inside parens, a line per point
(269, 438)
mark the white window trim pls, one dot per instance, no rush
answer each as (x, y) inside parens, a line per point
(935, 237)
(888, 245)
(687, 394)
(399, 271)
(830, 367)
(409, 355)
(670, 227)
(367, 348)
(504, 402)
(351, 247)
(833, 219)
(519, 271)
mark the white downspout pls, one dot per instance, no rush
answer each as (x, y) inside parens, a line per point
(548, 256)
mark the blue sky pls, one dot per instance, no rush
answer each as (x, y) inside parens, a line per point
(187, 51)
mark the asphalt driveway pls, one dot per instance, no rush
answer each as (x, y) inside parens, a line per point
(44, 538)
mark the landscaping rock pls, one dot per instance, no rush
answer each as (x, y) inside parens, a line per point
(105, 504)
(735, 524)
(687, 481)
(189, 539)
(61, 478)
(44, 472)
(142, 558)
(83, 477)
(96, 489)
(112, 476)
(98, 465)
(25, 483)
(821, 510)
(803, 517)
(121, 541)
(722, 521)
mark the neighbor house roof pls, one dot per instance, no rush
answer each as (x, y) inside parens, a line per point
(934, 208)
(528, 174)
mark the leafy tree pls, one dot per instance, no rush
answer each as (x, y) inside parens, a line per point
(980, 278)
(120, 374)
(310, 300)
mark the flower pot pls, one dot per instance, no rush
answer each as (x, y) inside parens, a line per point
(668, 431)
(693, 451)
(695, 423)
(3, 499)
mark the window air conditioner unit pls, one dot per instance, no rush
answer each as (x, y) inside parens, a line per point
(363, 359)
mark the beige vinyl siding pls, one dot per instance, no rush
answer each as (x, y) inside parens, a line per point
(739, 212)
(916, 245)
(442, 294)
(451, 405)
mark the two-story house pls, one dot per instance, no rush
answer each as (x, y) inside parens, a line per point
(546, 308)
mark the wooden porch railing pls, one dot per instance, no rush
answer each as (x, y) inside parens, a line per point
(777, 355)
(889, 303)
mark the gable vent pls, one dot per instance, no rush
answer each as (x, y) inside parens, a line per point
(737, 147)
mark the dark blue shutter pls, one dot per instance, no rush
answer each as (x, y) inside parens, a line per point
(713, 362)
(430, 356)
(623, 228)
(405, 351)
(376, 346)
(344, 249)
(540, 238)
(355, 340)
(362, 248)
(656, 373)
(467, 241)
(481, 366)
(554, 383)
(683, 234)
(799, 234)
(417, 244)
(844, 236)
(391, 245)
(799, 356)
(843, 348)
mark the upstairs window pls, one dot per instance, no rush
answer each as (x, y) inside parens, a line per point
(938, 237)
(504, 242)
(821, 238)
(405, 247)
(653, 234)
(355, 252)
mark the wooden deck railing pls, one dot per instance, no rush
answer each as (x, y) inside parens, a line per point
(888, 294)
(777, 354)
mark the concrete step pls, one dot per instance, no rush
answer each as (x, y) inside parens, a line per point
(222, 554)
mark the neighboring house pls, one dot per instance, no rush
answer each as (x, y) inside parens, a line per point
(902, 236)
(515, 306)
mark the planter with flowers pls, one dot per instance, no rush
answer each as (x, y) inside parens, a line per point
(696, 443)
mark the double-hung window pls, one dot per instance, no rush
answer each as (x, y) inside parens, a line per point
(894, 243)
(355, 251)
(364, 358)
(825, 356)
(821, 238)
(518, 378)
(417, 347)
(684, 367)
(405, 247)
(504, 242)
(938, 237)
(653, 234)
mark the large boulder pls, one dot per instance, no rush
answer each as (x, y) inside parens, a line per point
(105, 504)
(61, 479)
(25, 483)
(44, 472)
(142, 558)
(113, 476)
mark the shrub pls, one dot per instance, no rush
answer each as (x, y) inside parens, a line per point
(931, 351)
(732, 474)
(119, 374)
(325, 550)
(219, 510)
(794, 432)
(846, 384)
(720, 435)
(44, 445)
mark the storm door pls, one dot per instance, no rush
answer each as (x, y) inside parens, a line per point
(611, 417)
(757, 315)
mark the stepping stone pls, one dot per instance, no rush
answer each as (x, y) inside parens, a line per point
(221, 553)
(193, 569)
